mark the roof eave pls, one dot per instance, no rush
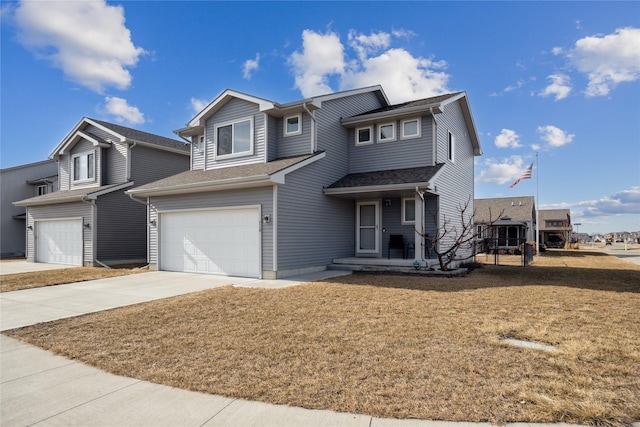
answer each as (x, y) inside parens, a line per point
(199, 187)
(391, 114)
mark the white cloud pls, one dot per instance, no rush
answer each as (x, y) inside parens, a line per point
(560, 86)
(553, 136)
(88, 40)
(508, 139)
(122, 111)
(501, 171)
(518, 85)
(608, 60)
(198, 104)
(250, 65)
(322, 55)
(621, 203)
(374, 61)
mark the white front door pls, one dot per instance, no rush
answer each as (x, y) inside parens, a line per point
(367, 228)
(59, 241)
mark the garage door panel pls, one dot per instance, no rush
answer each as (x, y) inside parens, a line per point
(59, 242)
(223, 241)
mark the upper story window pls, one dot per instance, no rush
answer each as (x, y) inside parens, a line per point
(411, 128)
(293, 125)
(41, 190)
(451, 147)
(408, 210)
(84, 167)
(364, 135)
(234, 138)
(386, 132)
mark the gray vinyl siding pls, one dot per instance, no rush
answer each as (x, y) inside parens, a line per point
(312, 228)
(121, 228)
(197, 154)
(235, 110)
(455, 182)
(272, 138)
(295, 145)
(64, 172)
(148, 164)
(262, 196)
(398, 154)
(391, 221)
(59, 211)
(115, 167)
(103, 135)
(14, 187)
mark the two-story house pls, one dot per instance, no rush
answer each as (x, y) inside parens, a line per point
(17, 183)
(90, 220)
(276, 190)
(555, 227)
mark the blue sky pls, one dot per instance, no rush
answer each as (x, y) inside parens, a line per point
(561, 79)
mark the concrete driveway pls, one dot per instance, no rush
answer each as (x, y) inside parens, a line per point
(22, 266)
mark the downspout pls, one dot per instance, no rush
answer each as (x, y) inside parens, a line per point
(420, 233)
(314, 144)
(94, 231)
(130, 147)
(434, 147)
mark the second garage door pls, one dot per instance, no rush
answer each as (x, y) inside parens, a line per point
(59, 241)
(220, 241)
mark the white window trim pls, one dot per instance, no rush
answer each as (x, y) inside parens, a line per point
(451, 147)
(232, 155)
(45, 188)
(393, 126)
(404, 200)
(284, 125)
(73, 167)
(370, 141)
(418, 135)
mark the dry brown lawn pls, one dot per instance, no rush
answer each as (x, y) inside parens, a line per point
(393, 346)
(16, 282)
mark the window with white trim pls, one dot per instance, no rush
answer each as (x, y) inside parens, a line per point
(84, 167)
(410, 128)
(451, 147)
(364, 135)
(408, 210)
(386, 132)
(234, 138)
(41, 190)
(293, 125)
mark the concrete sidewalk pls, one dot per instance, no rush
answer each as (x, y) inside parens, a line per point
(40, 388)
(22, 266)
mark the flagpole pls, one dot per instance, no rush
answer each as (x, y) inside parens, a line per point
(537, 206)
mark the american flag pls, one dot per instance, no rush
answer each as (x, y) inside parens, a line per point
(525, 175)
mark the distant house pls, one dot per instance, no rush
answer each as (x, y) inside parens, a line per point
(276, 189)
(17, 183)
(555, 227)
(510, 220)
(90, 220)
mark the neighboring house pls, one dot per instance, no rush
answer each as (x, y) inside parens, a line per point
(91, 221)
(17, 183)
(276, 190)
(510, 220)
(555, 227)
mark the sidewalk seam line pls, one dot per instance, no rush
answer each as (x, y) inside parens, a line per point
(218, 413)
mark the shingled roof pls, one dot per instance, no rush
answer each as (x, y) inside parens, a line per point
(138, 135)
(519, 209)
(65, 196)
(416, 103)
(419, 175)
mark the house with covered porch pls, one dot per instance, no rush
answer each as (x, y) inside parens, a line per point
(504, 222)
(279, 189)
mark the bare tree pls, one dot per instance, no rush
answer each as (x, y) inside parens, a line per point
(456, 234)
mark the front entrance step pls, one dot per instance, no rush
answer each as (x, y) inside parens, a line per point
(370, 268)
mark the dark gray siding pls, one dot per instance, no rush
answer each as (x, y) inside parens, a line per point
(455, 182)
(236, 109)
(60, 211)
(296, 145)
(262, 196)
(121, 228)
(398, 154)
(115, 166)
(391, 220)
(148, 164)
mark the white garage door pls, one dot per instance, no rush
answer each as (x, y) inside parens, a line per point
(224, 241)
(59, 242)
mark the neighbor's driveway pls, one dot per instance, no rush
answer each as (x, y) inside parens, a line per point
(21, 266)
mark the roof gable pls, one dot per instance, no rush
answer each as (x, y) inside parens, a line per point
(119, 133)
(517, 208)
